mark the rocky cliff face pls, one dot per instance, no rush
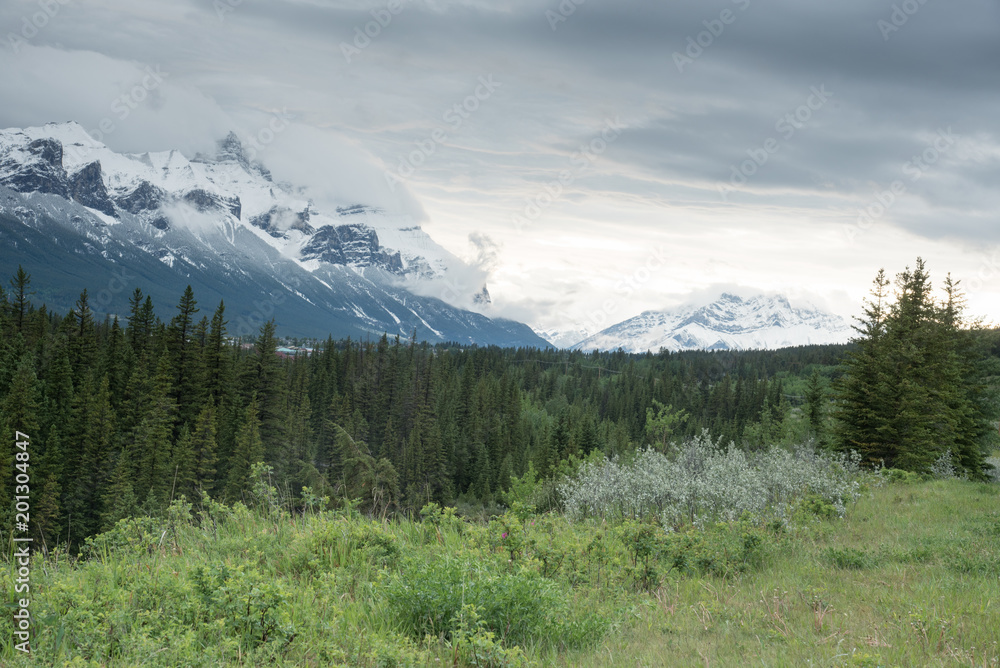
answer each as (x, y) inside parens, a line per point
(355, 245)
(87, 187)
(34, 166)
(143, 198)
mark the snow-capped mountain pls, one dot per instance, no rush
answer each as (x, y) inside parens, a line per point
(729, 323)
(77, 214)
(561, 337)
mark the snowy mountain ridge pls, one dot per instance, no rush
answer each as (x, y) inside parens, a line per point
(76, 213)
(728, 323)
(143, 184)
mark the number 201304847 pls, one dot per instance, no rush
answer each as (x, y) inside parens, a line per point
(21, 489)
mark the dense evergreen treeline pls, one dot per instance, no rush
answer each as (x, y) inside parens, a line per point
(921, 383)
(124, 416)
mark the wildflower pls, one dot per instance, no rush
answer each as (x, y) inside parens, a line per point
(503, 535)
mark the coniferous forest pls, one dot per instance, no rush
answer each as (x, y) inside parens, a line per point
(127, 414)
(199, 499)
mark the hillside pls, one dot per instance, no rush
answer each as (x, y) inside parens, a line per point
(222, 586)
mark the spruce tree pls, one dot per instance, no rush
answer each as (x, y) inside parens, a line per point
(249, 450)
(266, 382)
(815, 398)
(912, 391)
(153, 440)
(20, 299)
(82, 338)
(95, 438)
(203, 450)
(46, 502)
(185, 359)
(216, 368)
(183, 466)
(118, 499)
(864, 383)
(18, 413)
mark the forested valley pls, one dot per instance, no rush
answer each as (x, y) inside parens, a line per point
(127, 415)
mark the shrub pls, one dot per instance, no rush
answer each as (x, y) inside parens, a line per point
(943, 468)
(899, 476)
(476, 646)
(521, 607)
(699, 482)
(334, 543)
(132, 535)
(992, 469)
(723, 550)
(250, 604)
(427, 598)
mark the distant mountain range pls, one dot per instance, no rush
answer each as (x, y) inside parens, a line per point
(78, 215)
(729, 323)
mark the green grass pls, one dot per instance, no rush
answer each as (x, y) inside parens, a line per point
(910, 578)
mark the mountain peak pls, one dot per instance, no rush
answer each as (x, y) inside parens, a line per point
(231, 148)
(69, 133)
(730, 322)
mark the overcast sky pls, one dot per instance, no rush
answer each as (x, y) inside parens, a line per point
(604, 157)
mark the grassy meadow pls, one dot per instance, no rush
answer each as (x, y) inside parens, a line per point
(910, 576)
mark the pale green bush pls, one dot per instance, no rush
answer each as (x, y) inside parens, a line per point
(699, 481)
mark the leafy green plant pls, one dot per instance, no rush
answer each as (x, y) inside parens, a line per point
(644, 543)
(722, 550)
(817, 506)
(522, 490)
(251, 606)
(334, 543)
(849, 558)
(135, 535)
(474, 645)
(519, 608)
(901, 477)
